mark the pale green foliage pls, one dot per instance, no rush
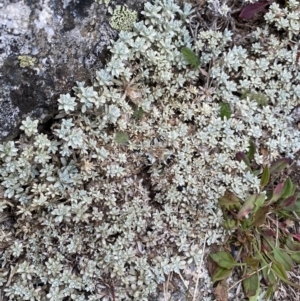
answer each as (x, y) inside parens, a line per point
(287, 18)
(88, 97)
(121, 137)
(29, 126)
(219, 7)
(66, 103)
(92, 212)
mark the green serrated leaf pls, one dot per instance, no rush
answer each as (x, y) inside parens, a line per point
(225, 110)
(265, 177)
(223, 259)
(191, 57)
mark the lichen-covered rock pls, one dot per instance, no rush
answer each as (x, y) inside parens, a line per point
(45, 47)
(123, 18)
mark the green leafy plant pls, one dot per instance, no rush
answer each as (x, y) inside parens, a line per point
(260, 98)
(191, 57)
(225, 110)
(121, 137)
(264, 245)
(138, 113)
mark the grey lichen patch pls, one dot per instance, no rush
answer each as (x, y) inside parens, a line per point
(26, 61)
(122, 18)
(105, 2)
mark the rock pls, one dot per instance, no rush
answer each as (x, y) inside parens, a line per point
(47, 46)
